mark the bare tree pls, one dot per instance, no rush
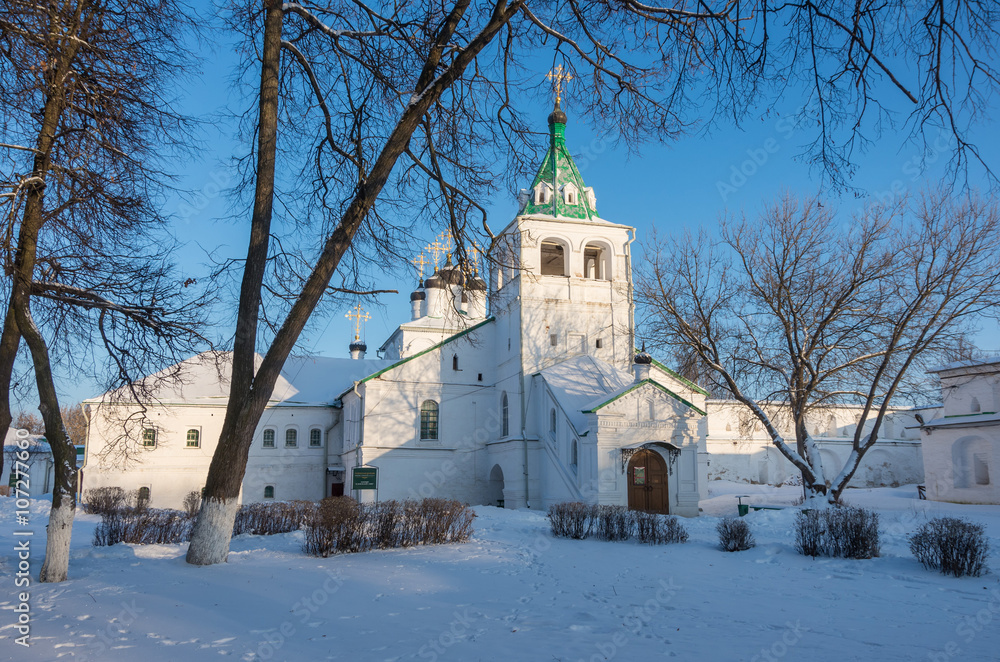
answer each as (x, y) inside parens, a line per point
(87, 117)
(803, 310)
(25, 420)
(408, 115)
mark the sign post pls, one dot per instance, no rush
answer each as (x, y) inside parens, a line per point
(365, 478)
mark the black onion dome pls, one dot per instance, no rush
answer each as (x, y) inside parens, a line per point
(418, 294)
(453, 276)
(359, 345)
(642, 358)
(557, 116)
(476, 284)
(434, 281)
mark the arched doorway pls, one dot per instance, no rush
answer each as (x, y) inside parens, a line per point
(495, 496)
(647, 482)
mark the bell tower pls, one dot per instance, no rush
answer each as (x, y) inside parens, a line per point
(562, 277)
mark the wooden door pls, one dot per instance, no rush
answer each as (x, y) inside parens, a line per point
(647, 482)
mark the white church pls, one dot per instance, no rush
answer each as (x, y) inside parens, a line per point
(521, 392)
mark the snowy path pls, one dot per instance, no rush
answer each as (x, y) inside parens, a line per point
(515, 593)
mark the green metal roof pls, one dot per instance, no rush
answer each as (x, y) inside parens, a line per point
(558, 169)
(652, 382)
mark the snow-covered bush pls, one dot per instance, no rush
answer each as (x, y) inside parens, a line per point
(101, 500)
(142, 526)
(844, 531)
(571, 520)
(953, 546)
(734, 534)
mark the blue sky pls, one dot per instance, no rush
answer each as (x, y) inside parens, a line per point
(684, 184)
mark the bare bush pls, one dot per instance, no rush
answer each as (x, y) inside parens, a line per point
(953, 546)
(571, 520)
(142, 526)
(266, 519)
(615, 522)
(341, 525)
(100, 500)
(579, 521)
(735, 535)
(192, 503)
(844, 531)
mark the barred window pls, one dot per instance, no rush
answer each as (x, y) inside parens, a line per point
(429, 420)
(269, 491)
(269, 438)
(193, 438)
(291, 438)
(149, 437)
(315, 438)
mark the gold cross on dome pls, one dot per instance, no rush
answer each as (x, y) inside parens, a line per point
(559, 76)
(420, 262)
(445, 239)
(356, 314)
(435, 249)
(474, 252)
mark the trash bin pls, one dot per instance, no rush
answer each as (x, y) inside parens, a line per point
(743, 509)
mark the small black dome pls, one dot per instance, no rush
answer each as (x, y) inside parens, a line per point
(418, 295)
(476, 284)
(452, 276)
(557, 116)
(642, 358)
(434, 281)
(359, 345)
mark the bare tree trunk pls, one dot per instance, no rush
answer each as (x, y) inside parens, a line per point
(214, 526)
(9, 342)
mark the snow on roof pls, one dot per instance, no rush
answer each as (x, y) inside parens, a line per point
(963, 421)
(966, 363)
(204, 379)
(37, 445)
(579, 381)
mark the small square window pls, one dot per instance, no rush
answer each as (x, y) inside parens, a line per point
(149, 437)
(291, 438)
(553, 339)
(269, 438)
(193, 438)
(599, 343)
(315, 438)
(269, 491)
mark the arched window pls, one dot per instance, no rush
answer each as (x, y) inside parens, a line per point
(149, 437)
(315, 438)
(429, 420)
(454, 361)
(574, 455)
(552, 422)
(193, 438)
(268, 437)
(143, 496)
(269, 491)
(596, 262)
(504, 415)
(971, 462)
(553, 259)
(291, 438)
(976, 408)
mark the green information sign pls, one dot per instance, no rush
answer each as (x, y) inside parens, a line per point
(364, 478)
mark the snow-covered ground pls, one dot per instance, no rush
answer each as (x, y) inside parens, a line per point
(515, 593)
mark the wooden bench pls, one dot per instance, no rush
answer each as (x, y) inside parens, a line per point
(744, 508)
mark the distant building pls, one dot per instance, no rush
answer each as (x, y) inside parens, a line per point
(961, 446)
(40, 468)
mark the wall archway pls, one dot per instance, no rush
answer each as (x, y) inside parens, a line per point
(494, 493)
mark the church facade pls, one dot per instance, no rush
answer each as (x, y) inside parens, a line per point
(518, 388)
(523, 391)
